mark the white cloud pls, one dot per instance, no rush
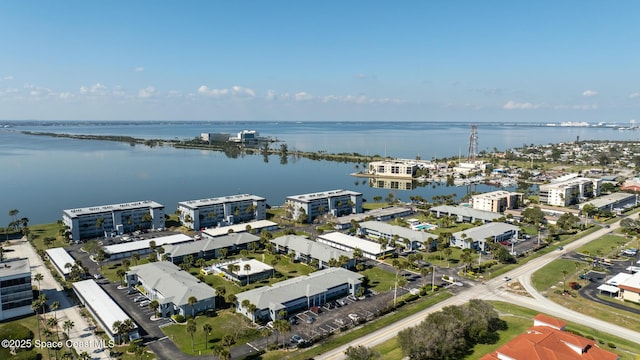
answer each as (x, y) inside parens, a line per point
(97, 88)
(7, 78)
(489, 91)
(303, 96)
(271, 95)
(138, 69)
(512, 105)
(66, 96)
(147, 92)
(634, 95)
(38, 91)
(589, 93)
(235, 91)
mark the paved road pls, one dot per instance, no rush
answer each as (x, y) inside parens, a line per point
(494, 290)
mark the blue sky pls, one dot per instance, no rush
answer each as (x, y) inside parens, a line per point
(546, 61)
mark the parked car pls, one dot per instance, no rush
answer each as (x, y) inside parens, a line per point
(139, 298)
(293, 320)
(297, 339)
(342, 302)
(310, 320)
(354, 317)
(270, 324)
(145, 303)
(97, 276)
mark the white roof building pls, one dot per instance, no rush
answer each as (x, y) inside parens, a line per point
(141, 247)
(103, 308)
(59, 257)
(370, 249)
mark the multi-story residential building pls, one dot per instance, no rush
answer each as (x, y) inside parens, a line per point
(172, 287)
(300, 293)
(211, 248)
(393, 168)
(370, 249)
(497, 201)
(16, 294)
(122, 218)
(570, 191)
(613, 202)
(335, 202)
(198, 214)
(464, 214)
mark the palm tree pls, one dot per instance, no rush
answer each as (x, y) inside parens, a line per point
(53, 323)
(121, 273)
(247, 268)
(201, 262)
(126, 263)
(67, 326)
(55, 306)
(564, 280)
(207, 330)
(154, 305)
(191, 329)
(38, 277)
(192, 301)
(36, 305)
(135, 256)
(116, 328)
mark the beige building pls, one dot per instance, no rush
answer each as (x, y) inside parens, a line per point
(569, 192)
(497, 201)
(393, 168)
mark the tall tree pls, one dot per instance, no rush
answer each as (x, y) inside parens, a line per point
(191, 329)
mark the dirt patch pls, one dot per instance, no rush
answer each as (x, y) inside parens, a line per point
(517, 288)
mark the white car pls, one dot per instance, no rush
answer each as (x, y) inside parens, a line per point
(506, 278)
(354, 317)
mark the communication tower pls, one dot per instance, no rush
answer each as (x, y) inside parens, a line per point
(473, 144)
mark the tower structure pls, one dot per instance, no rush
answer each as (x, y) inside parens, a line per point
(473, 144)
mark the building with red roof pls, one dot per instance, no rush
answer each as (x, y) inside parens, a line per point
(547, 340)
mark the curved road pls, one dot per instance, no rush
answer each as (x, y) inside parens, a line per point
(493, 290)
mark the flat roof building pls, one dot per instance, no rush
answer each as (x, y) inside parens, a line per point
(613, 202)
(570, 191)
(256, 227)
(16, 294)
(393, 168)
(59, 258)
(496, 201)
(97, 221)
(335, 202)
(300, 293)
(172, 287)
(370, 249)
(141, 247)
(203, 213)
(103, 308)
(247, 270)
(465, 214)
(307, 251)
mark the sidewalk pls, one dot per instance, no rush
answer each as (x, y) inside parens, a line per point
(81, 336)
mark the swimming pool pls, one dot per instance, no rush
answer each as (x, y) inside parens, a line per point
(424, 226)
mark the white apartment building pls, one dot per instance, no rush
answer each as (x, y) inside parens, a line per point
(15, 288)
(122, 218)
(569, 192)
(393, 168)
(198, 214)
(334, 202)
(496, 201)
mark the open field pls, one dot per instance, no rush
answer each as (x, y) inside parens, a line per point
(605, 246)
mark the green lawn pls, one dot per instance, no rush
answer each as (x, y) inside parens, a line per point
(380, 280)
(225, 323)
(389, 350)
(437, 258)
(604, 246)
(551, 274)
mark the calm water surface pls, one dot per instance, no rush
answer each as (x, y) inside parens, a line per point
(44, 175)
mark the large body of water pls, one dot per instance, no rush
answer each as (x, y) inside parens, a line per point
(41, 176)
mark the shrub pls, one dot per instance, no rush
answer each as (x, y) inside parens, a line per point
(15, 331)
(178, 318)
(612, 345)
